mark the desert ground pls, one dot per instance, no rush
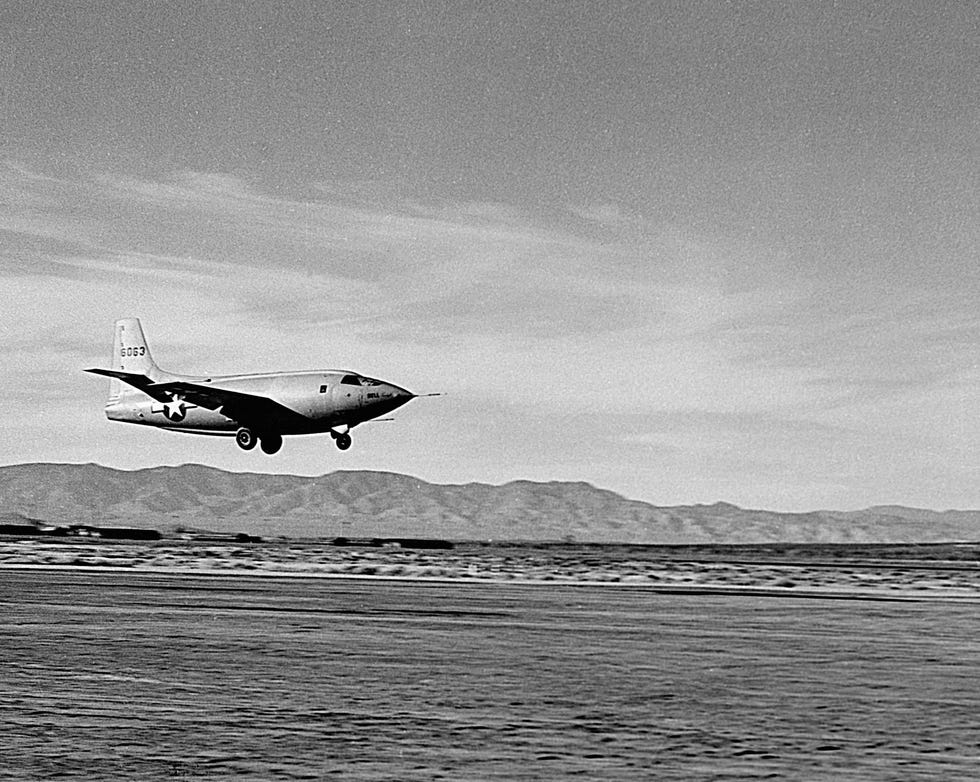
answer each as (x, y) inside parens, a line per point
(893, 571)
(161, 664)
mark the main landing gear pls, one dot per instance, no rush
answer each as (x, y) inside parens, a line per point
(247, 440)
(271, 443)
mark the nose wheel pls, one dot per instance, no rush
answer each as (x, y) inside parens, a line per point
(343, 441)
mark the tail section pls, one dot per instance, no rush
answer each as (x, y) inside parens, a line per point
(131, 354)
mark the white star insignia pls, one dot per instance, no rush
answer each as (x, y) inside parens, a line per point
(175, 410)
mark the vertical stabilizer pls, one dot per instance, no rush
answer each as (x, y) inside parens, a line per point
(130, 353)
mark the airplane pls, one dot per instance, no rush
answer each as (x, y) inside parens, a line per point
(255, 409)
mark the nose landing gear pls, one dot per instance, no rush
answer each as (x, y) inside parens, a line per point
(341, 437)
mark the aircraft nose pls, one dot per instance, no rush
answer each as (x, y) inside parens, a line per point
(401, 395)
(380, 397)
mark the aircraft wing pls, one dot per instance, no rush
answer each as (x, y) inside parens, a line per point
(256, 412)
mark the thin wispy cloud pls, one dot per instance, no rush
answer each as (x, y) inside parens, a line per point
(494, 264)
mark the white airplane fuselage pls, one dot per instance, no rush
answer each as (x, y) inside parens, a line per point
(321, 400)
(254, 408)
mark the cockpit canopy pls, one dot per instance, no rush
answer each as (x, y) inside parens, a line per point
(358, 380)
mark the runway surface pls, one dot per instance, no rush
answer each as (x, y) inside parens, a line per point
(147, 676)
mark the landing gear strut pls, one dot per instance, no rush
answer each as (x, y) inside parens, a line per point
(246, 439)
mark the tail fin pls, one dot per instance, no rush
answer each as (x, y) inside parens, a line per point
(130, 353)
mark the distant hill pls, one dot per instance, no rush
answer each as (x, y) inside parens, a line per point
(390, 504)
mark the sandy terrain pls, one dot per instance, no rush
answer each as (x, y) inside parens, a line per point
(115, 675)
(660, 569)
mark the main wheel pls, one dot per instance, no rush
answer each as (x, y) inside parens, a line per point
(271, 443)
(246, 439)
(343, 441)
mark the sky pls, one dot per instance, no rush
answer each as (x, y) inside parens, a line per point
(686, 251)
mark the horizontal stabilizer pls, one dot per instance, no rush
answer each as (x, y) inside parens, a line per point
(142, 382)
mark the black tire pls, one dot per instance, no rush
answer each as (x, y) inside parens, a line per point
(343, 441)
(246, 439)
(271, 443)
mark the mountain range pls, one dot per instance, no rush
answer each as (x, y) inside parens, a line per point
(381, 504)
